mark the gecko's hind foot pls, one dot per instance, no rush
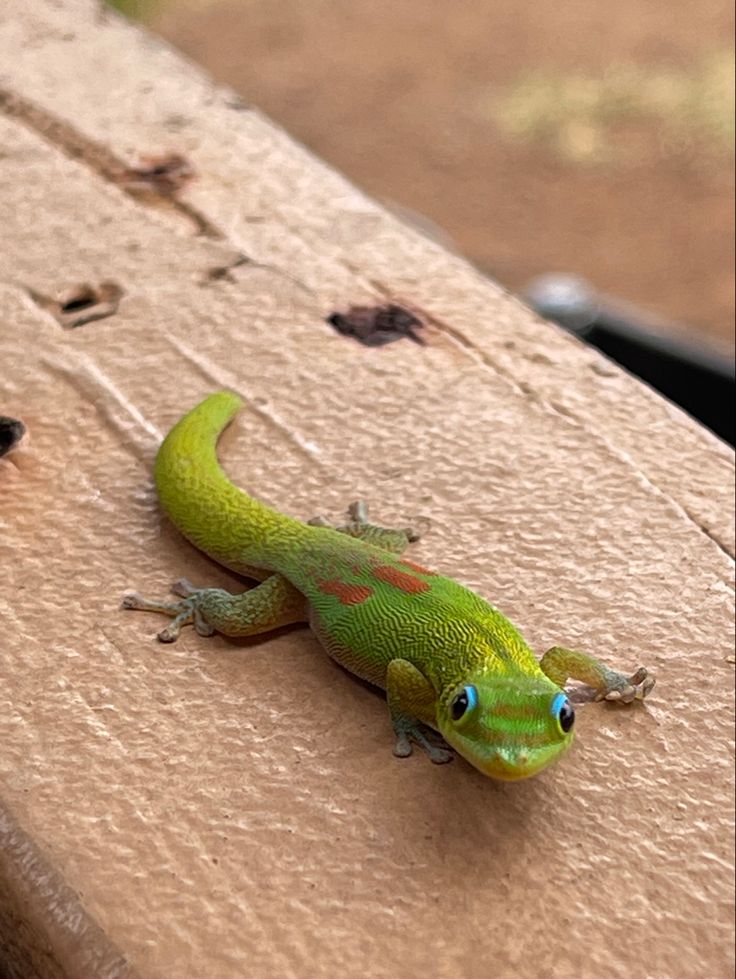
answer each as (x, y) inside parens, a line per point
(627, 689)
(182, 613)
(358, 526)
(358, 513)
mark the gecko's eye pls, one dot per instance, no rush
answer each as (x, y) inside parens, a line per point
(463, 703)
(562, 709)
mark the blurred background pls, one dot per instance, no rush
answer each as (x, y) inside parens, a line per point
(533, 136)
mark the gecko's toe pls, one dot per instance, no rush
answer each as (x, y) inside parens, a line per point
(627, 689)
(183, 588)
(132, 600)
(614, 695)
(319, 521)
(168, 635)
(645, 687)
(358, 512)
(402, 748)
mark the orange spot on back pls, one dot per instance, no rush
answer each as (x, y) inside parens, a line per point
(346, 593)
(400, 579)
(417, 567)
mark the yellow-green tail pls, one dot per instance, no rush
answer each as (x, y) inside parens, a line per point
(215, 515)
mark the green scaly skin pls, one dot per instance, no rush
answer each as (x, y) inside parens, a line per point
(447, 659)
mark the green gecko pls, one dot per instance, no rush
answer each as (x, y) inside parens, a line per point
(448, 660)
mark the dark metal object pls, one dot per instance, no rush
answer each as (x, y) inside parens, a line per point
(700, 379)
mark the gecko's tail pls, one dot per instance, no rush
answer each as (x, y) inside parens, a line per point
(215, 515)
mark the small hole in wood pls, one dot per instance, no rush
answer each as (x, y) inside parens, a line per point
(83, 300)
(165, 175)
(374, 326)
(80, 304)
(11, 432)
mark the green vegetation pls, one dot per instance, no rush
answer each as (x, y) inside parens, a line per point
(576, 115)
(135, 9)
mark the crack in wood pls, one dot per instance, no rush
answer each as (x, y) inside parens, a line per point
(102, 161)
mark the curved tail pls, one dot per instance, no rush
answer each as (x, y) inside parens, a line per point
(215, 515)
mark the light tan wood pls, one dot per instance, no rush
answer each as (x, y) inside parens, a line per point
(233, 808)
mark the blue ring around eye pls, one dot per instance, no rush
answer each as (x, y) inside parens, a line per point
(472, 694)
(558, 701)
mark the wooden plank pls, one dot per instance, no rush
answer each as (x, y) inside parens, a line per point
(217, 808)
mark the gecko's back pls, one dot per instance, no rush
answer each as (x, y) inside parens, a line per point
(368, 606)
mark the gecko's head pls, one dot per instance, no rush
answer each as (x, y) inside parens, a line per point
(507, 727)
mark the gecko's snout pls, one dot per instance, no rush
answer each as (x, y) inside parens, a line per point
(508, 728)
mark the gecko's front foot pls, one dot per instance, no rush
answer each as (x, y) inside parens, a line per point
(413, 731)
(559, 664)
(626, 689)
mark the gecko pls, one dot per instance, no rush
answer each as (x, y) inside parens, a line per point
(456, 672)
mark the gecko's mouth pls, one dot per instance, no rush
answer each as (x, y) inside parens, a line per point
(513, 766)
